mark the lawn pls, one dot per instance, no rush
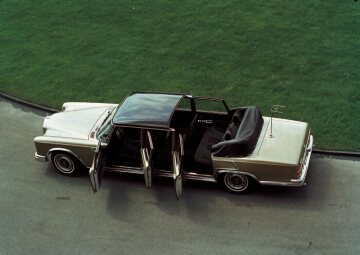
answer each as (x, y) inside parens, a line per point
(301, 54)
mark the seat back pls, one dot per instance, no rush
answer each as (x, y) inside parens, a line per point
(242, 133)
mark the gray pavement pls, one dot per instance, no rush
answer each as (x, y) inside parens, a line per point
(42, 212)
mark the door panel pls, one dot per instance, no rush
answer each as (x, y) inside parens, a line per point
(147, 148)
(97, 168)
(177, 155)
(178, 186)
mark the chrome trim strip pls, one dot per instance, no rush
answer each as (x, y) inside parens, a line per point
(274, 183)
(250, 161)
(40, 158)
(200, 177)
(124, 169)
(90, 146)
(161, 173)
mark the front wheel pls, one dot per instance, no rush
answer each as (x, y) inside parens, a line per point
(236, 182)
(65, 163)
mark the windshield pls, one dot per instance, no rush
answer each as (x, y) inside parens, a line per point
(106, 127)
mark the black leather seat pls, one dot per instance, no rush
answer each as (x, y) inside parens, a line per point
(203, 152)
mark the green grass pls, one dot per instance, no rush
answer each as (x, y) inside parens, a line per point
(302, 54)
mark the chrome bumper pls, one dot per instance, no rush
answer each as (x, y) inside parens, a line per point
(40, 157)
(301, 180)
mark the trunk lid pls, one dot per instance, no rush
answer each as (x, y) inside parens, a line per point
(285, 144)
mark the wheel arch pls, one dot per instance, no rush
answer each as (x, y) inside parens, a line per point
(222, 172)
(54, 150)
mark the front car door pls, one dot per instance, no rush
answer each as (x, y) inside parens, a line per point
(97, 168)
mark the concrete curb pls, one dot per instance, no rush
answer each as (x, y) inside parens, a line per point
(29, 104)
(52, 110)
(337, 153)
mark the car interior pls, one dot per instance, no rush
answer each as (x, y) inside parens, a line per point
(203, 132)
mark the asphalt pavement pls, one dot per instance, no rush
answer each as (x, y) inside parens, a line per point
(43, 212)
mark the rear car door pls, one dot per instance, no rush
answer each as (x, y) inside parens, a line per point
(147, 148)
(177, 155)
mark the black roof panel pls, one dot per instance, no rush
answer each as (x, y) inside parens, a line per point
(147, 109)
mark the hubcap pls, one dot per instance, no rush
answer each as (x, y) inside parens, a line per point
(64, 163)
(236, 182)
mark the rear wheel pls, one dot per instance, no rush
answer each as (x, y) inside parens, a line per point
(66, 164)
(236, 182)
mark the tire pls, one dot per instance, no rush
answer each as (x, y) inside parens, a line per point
(66, 164)
(237, 183)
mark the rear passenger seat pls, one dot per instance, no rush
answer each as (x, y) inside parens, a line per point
(239, 140)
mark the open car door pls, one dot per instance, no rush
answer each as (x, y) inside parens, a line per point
(177, 154)
(97, 168)
(147, 148)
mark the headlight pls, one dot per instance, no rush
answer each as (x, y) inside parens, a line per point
(44, 124)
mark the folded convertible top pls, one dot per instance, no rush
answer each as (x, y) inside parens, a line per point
(242, 134)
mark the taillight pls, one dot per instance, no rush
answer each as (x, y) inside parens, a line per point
(299, 172)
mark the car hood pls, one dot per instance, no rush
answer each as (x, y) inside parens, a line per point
(76, 123)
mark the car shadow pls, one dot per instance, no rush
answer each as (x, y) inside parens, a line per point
(312, 196)
(126, 194)
(195, 203)
(81, 180)
(200, 199)
(128, 197)
(118, 201)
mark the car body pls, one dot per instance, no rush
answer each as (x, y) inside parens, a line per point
(177, 136)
